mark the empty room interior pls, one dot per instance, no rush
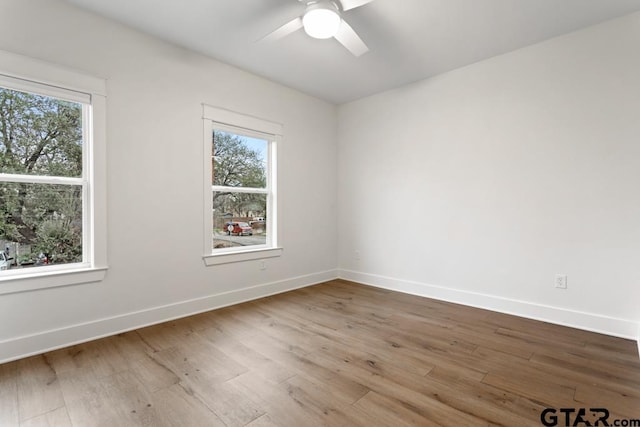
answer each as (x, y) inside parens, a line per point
(311, 213)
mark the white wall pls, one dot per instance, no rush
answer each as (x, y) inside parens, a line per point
(155, 92)
(476, 186)
(481, 184)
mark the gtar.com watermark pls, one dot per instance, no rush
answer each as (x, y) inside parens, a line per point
(583, 417)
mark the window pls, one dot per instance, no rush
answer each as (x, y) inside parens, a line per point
(240, 187)
(52, 196)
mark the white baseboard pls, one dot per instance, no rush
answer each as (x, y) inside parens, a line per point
(20, 347)
(576, 319)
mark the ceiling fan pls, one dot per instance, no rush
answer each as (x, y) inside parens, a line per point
(322, 19)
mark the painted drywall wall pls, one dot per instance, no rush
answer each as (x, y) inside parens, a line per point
(155, 93)
(480, 185)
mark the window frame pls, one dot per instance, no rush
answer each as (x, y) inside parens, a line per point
(26, 74)
(215, 118)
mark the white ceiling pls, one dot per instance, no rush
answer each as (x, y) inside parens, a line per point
(409, 40)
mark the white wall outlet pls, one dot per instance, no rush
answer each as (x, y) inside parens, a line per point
(561, 281)
(356, 255)
(263, 265)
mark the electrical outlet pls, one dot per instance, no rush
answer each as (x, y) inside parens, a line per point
(263, 265)
(356, 255)
(561, 281)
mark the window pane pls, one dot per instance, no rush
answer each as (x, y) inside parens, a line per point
(239, 219)
(239, 161)
(41, 224)
(39, 135)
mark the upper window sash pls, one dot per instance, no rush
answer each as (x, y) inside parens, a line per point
(235, 131)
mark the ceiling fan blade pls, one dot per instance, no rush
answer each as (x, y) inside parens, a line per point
(288, 28)
(349, 39)
(352, 4)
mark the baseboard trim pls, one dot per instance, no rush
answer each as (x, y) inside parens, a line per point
(622, 328)
(29, 345)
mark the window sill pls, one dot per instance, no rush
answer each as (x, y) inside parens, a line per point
(249, 255)
(24, 282)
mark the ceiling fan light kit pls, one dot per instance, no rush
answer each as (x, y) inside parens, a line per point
(321, 20)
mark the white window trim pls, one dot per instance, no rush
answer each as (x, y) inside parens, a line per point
(37, 76)
(220, 118)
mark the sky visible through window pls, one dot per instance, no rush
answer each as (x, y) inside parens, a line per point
(257, 145)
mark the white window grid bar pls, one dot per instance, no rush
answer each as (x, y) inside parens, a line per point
(249, 190)
(41, 179)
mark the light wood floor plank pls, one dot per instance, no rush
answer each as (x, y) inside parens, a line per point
(246, 356)
(56, 418)
(38, 387)
(392, 412)
(176, 407)
(341, 385)
(325, 405)
(626, 406)
(9, 414)
(277, 401)
(407, 389)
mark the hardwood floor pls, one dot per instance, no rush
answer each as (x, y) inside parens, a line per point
(337, 354)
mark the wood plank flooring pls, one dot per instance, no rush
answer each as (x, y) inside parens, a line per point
(335, 354)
